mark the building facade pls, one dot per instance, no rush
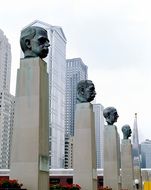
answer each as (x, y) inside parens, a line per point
(99, 130)
(6, 102)
(5, 62)
(56, 67)
(135, 144)
(146, 154)
(76, 70)
(69, 152)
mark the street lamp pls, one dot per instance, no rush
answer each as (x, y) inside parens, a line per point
(136, 182)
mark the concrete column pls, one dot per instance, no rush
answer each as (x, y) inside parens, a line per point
(127, 165)
(84, 148)
(30, 145)
(137, 175)
(111, 157)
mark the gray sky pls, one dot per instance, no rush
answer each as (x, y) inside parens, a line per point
(112, 37)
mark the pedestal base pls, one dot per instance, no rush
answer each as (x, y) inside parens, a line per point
(127, 165)
(30, 148)
(111, 157)
(84, 155)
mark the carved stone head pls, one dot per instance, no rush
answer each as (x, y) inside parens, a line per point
(126, 131)
(111, 115)
(85, 91)
(34, 42)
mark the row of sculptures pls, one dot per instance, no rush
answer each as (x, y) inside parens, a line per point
(35, 43)
(86, 93)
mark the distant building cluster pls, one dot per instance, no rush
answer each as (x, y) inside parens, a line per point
(64, 75)
(141, 152)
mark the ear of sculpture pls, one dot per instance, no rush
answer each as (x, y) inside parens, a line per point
(28, 44)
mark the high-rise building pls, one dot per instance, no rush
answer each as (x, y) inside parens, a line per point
(6, 102)
(56, 67)
(76, 70)
(146, 154)
(135, 144)
(99, 130)
(136, 151)
(5, 62)
(69, 152)
(6, 126)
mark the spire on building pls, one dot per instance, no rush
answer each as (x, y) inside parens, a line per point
(135, 139)
(135, 143)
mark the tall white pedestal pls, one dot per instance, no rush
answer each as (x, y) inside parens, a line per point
(111, 157)
(127, 165)
(30, 148)
(84, 148)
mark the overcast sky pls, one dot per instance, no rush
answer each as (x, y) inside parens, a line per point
(113, 38)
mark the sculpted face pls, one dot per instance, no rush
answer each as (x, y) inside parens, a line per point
(126, 131)
(85, 91)
(111, 115)
(39, 44)
(129, 132)
(34, 42)
(90, 91)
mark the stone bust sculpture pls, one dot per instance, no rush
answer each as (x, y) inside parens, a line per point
(126, 131)
(111, 115)
(34, 42)
(85, 91)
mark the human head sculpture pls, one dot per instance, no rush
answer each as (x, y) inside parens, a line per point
(126, 131)
(85, 91)
(111, 115)
(34, 42)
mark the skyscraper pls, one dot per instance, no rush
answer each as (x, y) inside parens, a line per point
(6, 101)
(99, 130)
(56, 67)
(135, 143)
(136, 152)
(5, 62)
(146, 154)
(76, 70)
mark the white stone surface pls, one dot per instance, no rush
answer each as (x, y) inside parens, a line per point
(111, 157)
(84, 150)
(127, 165)
(30, 134)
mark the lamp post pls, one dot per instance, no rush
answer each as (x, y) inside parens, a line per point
(136, 182)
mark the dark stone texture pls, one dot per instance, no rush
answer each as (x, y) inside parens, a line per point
(126, 131)
(111, 115)
(85, 91)
(34, 42)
